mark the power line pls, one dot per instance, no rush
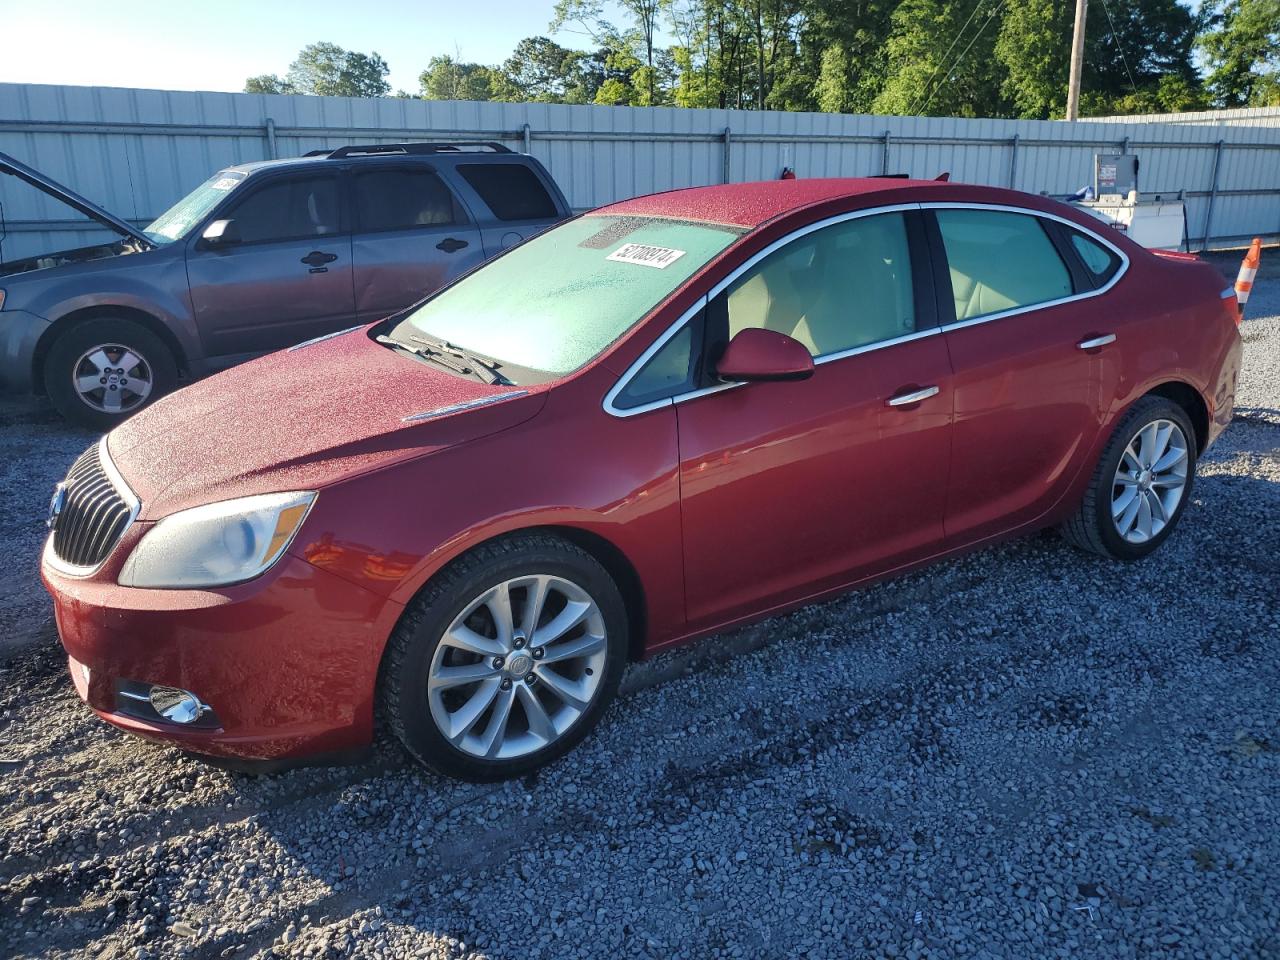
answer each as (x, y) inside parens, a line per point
(991, 16)
(1119, 46)
(972, 13)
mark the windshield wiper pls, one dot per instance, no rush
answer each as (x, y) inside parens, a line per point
(434, 356)
(484, 368)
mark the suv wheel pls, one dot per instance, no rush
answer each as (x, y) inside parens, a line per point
(506, 661)
(1141, 484)
(101, 371)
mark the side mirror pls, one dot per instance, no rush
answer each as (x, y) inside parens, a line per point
(758, 354)
(221, 233)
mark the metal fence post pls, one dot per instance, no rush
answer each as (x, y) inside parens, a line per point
(526, 135)
(270, 130)
(1013, 163)
(724, 174)
(1213, 195)
(884, 160)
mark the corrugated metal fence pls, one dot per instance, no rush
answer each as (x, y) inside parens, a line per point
(137, 151)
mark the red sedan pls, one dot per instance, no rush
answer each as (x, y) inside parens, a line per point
(651, 423)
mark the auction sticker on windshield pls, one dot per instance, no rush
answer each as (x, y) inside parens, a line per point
(646, 255)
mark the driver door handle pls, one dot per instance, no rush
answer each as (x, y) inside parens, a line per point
(318, 258)
(1093, 343)
(914, 396)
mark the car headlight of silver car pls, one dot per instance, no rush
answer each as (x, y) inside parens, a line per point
(217, 544)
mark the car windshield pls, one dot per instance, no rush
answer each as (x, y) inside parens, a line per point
(191, 209)
(553, 303)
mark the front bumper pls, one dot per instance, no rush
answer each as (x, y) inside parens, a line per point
(20, 331)
(288, 662)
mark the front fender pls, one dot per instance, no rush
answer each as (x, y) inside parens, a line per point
(156, 286)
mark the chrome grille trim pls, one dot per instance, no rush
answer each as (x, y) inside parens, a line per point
(99, 508)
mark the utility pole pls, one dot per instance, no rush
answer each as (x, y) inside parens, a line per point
(1077, 62)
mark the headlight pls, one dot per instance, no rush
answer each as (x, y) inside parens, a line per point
(217, 544)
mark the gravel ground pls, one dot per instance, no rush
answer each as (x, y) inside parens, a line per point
(1024, 753)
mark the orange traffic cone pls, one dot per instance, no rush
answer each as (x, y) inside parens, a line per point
(1248, 270)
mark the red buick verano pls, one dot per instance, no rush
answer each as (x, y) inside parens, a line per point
(651, 423)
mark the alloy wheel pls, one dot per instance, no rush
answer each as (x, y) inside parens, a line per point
(112, 378)
(1150, 481)
(517, 667)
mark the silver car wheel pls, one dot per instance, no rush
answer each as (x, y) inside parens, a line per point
(112, 378)
(517, 667)
(1149, 481)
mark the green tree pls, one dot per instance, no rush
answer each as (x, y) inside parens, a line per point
(645, 16)
(1242, 51)
(541, 69)
(447, 79)
(941, 60)
(1137, 57)
(841, 60)
(268, 83)
(327, 70)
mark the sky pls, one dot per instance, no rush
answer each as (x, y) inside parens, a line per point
(185, 45)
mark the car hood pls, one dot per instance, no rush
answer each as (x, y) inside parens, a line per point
(72, 199)
(303, 419)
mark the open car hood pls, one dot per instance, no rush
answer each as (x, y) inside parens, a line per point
(72, 199)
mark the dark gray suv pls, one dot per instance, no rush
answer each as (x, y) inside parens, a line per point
(258, 257)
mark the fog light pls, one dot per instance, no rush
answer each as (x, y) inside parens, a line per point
(176, 706)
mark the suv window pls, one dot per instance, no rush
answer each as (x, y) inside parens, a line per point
(1101, 262)
(289, 210)
(511, 190)
(1000, 261)
(403, 199)
(844, 286)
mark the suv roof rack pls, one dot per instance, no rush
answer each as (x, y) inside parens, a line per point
(376, 149)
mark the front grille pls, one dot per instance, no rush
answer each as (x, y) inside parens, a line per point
(94, 514)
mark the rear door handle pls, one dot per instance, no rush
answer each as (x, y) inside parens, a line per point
(318, 258)
(914, 396)
(1093, 343)
(450, 244)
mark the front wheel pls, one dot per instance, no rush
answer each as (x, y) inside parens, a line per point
(1141, 485)
(507, 660)
(104, 370)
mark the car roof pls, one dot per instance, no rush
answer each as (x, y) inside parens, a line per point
(752, 204)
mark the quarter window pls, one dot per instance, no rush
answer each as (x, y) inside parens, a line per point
(844, 286)
(511, 190)
(1101, 263)
(403, 200)
(1000, 261)
(291, 209)
(670, 371)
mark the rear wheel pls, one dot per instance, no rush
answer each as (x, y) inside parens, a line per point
(1141, 484)
(102, 371)
(507, 660)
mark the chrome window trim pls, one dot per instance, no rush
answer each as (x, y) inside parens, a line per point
(742, 268)
(126, 494)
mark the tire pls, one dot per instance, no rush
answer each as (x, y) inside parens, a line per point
(116, 343)
(1096, 526)
(419, 687)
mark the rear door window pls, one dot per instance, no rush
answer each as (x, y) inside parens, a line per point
(403, 199)
(289, 209)
(511, 190)
(1000, 261)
